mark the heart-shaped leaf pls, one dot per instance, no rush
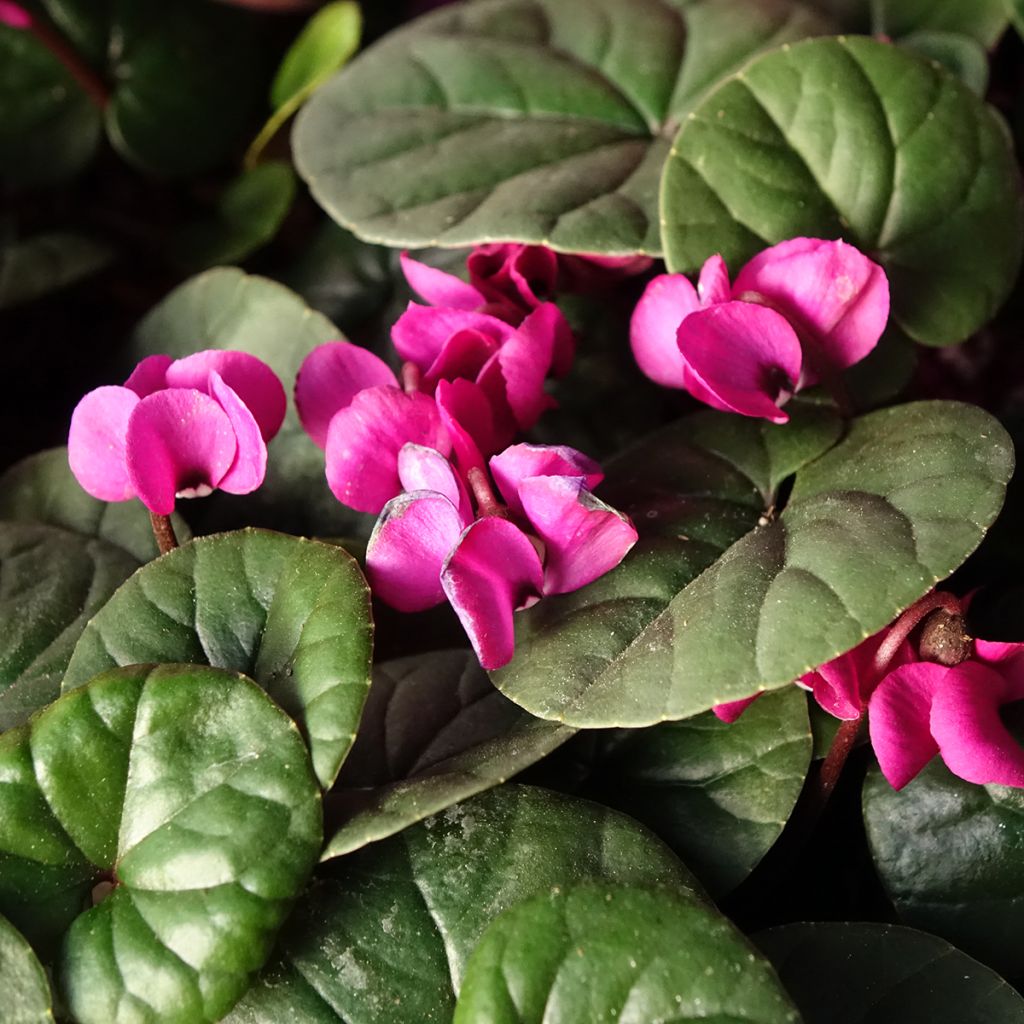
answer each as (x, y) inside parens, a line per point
(869, 528)
(434, 732)
(33, 267)
(851, 137)
(618, 953)
(538, 121)
(292, 614)
(23, 982)
(388, 936)
(51, 583)
(950, 855)
(186, 797)
(843, 973)
(718, 794)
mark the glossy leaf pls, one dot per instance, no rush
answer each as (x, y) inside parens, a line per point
(387, 937)
(292, 614)
(36, 266)
(434, 732)
(542, 121)
(950, 855)
(983, 20)
(718, 794)
(23, 982)
(843, 973)
(868, 529)
(51, 583)
(850, 137)
(192, 793)
(617, 953)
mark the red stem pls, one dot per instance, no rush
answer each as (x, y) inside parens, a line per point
(905, 624)
(411, 378)
(835, 759)
(91, 83)
(486, 503)
(163, 531)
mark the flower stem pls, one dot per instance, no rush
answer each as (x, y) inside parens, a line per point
(91, 83)
(835, 759)
(410, 378)
(163, 531)
(486, 503)
(905, 624)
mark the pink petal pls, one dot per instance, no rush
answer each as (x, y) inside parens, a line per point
(898, 719)
(468, 417)
(741, 358)
(420, 332)
(364, 439)
(829, 290)
(464, 354)
(494, 570)
(149, 376)
(423, 469)
(329, 378)
(96, 443)
(665, 303)
(713, 286)
(407, 549)
(14, 15)
(438, 287)
(965, 721)
(731, 710)
(523, 275)
(179, 442)
(583, 537)
(250, 378)
(250, 465)
(522, 461)
(843, 685)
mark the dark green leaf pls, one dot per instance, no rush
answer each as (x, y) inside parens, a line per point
(388, 936)
(292, 614)
(982, 20)
(869, 528)
(963, 56)
(950, 855)
(718, 794)
(191, 792)
(853, 137)
(617, 953)
(36, 266)
(842, 973)
(527, 120)
(434, 732)
(23, 982)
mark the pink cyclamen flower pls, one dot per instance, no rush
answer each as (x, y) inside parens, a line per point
(178, 428)
(797, 311)
(14, 15)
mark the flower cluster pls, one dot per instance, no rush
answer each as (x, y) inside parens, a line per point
(796, 314)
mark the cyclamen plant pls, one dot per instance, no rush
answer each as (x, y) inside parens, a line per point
(569, 582)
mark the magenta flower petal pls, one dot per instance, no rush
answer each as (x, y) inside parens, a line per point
(464, 354)
(149, 376)
(665, 303)
(829, 290)
(843, 685)
(438, 287)
(250, 378)
(740, 357)
(407, 549)
(713, 285)
(421, 332)
(522, 461)
(424, 469)
(469, 418)
(250, 464)
(493, 571)
(364, 439)
(973, 741)
(14, 15)
(330, 377)
(521, 275)
(899, 713)
(96, 443)
(731, 710)
(583, 537)
(179, 442)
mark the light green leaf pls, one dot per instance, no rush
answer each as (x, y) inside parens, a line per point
(851, 137)
(36, 266)
(23, 982)
(292, 614)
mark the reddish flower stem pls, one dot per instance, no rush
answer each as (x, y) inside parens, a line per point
(832, 767)
(411, 378)
(905, 624)
(163, 531)
(91, 83)
(486, 503)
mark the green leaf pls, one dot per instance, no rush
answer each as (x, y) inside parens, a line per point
(982, 20)
(434, 732)
(248, 216)
(45, 263)
(851, 137)
(950, 856)
(387, 937)
(617, 953)
(48, 127)
(527, 120)
(960, 54)
(292, 614)
(869, 528)
(41, 489)
(189, 791)
(51, 584)
(843, 973)
(718, 794)
(23, 982)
